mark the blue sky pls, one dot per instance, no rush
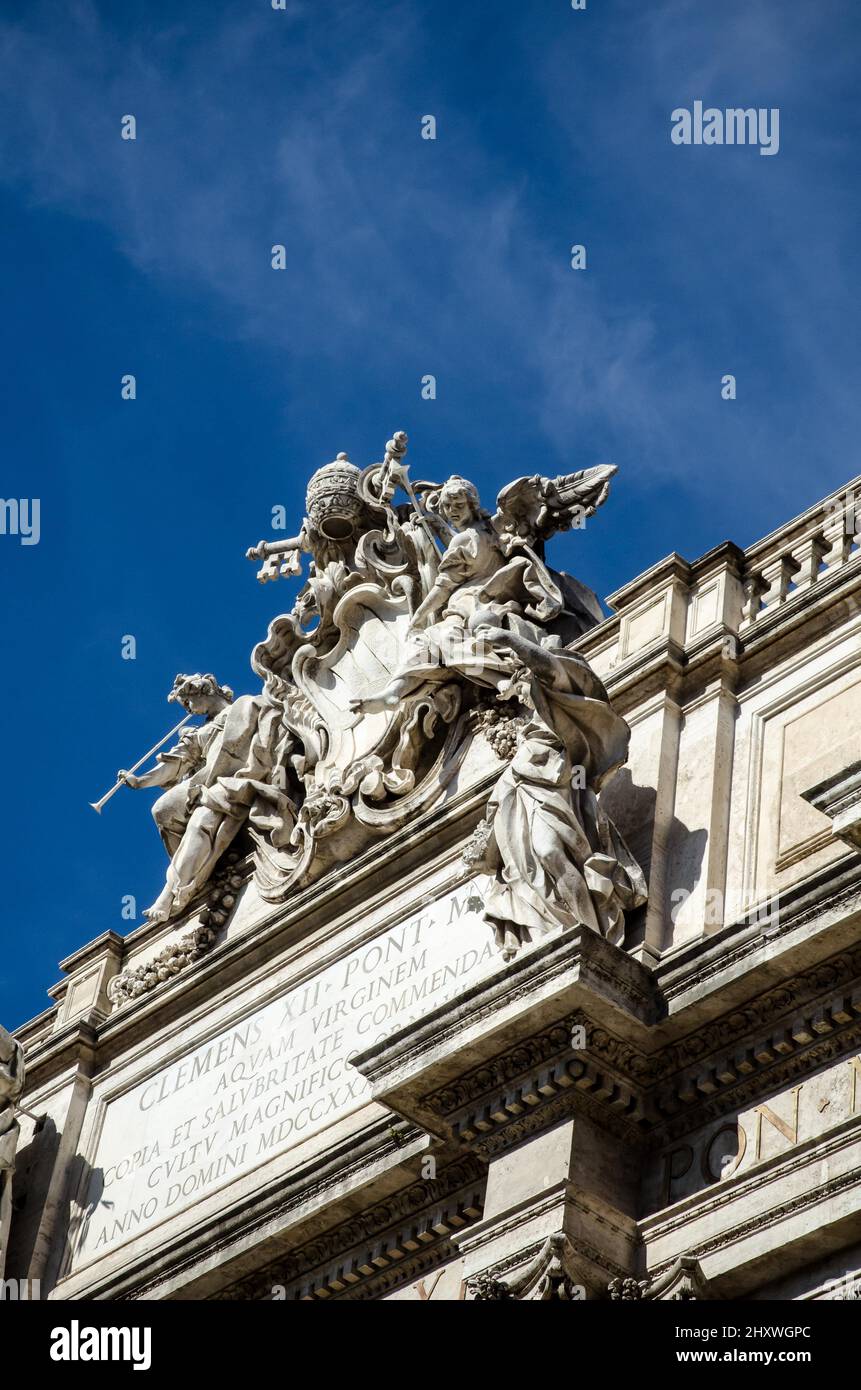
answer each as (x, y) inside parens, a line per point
(404, 257)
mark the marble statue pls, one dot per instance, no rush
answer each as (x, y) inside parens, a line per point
(489, 572)
(215, 776)
(550, 846)
(423, 621)
(554, 853)
(479, 618)
(11, 1086)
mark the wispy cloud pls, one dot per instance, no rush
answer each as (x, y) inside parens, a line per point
(407, 242)
(252, 130)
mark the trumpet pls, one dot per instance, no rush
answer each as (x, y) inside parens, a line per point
(97, 805)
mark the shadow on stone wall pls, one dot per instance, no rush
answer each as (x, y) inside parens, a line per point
(73, 1219)
(34, 1170)
(34, 1166)
(632, 810)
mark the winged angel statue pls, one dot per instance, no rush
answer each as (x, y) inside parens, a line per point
(423, 625)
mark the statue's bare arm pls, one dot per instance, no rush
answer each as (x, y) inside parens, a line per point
(541, 662)
(169, 770)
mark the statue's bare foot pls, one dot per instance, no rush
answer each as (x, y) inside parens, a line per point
(181, 898)
(161, 908)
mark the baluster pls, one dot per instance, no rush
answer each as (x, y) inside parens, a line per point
(808, 555)
(753, 588)
(777, 576)
(837, 532)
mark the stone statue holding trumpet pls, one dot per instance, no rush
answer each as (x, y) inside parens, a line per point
(215, 777)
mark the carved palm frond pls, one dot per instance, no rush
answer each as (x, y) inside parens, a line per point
(535, 508)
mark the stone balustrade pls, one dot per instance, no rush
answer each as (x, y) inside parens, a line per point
(787, 563)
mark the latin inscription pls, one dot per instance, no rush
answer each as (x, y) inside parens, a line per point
(735, 1144)
(276, 1078)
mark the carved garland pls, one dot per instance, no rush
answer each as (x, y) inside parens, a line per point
(178, 955)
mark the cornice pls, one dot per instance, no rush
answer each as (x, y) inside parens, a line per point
(832, 892)
(767, 1216)
(577, 960)
(647, 1097)
(383, 1247)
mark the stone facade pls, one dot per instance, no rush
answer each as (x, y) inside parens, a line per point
(343, 1090)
